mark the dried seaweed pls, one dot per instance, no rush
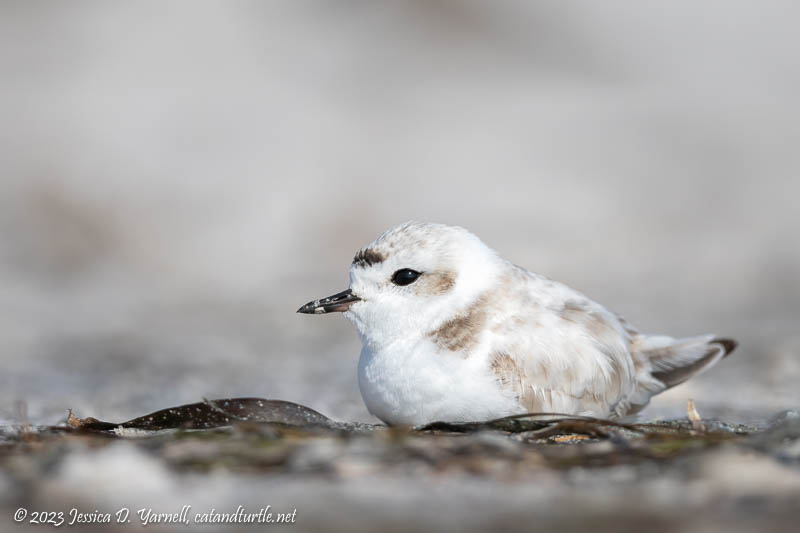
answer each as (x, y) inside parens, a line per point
(259, 435)
(213, 414)
(557, 427)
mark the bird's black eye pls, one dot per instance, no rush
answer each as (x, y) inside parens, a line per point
(405, 276)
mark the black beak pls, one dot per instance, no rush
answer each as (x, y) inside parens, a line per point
(340, 302)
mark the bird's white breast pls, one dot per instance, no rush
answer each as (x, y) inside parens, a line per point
(412, 382)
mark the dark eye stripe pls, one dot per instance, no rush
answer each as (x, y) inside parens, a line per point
(405, 276)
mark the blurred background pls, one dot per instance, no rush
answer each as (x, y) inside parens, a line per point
(176, 179)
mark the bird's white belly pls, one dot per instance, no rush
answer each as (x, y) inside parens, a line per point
(415, 384)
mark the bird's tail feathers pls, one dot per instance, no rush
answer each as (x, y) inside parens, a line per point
(673, 361)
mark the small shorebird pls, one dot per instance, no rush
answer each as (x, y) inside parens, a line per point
(453, 332)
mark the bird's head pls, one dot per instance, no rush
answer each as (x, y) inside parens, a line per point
(410, 280)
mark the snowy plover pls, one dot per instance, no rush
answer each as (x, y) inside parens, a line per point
(453, 332)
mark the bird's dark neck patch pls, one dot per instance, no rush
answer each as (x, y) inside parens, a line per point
(462, 332)
(368, 257)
